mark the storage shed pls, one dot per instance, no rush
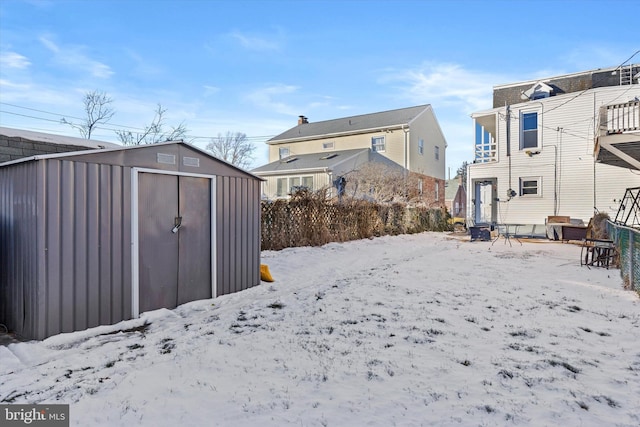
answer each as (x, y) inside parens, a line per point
(95, 237)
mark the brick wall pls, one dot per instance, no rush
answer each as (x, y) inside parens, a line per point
(13, 148)
(428, 195)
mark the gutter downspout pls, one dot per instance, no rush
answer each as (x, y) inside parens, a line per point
(555, 179)
(509, 143)
(595, 124)
(406, 156)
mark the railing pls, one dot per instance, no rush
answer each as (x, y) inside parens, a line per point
(619, 118)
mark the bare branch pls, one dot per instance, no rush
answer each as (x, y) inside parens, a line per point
(233, 148)
(383, 183)
(97, 106)
(154, 132)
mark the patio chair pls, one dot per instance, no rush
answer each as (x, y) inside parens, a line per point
(597, 252)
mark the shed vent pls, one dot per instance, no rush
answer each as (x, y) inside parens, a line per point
(191, 161)
(167, 159)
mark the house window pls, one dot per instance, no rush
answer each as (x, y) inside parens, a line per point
(377, 144)
(307, 182)
(528, 130)
(281, 187)
(284, 152)
(300, 182)
(421, 146)
(437, 152)
(327, 145)
(530, 187)
(286, 186)
(437, 192)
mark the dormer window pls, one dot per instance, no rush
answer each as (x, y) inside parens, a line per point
(539, 90)
(283, 152)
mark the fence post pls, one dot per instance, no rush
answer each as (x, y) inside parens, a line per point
(632, 279)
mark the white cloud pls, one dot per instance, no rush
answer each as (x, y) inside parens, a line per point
(49, 44)
(142, 65)
(210, 90)
(585, 57)
(449, 84)
(455, 92)
(6, 84)
(74, 57)
(258, 43)
(13, 60)
(43, 97)
(268, 98)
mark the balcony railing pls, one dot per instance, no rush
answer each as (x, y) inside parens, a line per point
(619, 118)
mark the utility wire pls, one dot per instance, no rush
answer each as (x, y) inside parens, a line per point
(103, 127)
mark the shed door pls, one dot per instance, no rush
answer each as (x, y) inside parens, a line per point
(174, 226)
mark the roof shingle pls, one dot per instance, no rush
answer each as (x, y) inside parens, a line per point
(351, 124)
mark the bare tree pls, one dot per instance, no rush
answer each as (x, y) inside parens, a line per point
(462, 172)
(383, 183)
(154, 132)
(97, 106)
(234, 148)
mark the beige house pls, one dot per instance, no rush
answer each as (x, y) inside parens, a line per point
(455, 198)
(315, 155)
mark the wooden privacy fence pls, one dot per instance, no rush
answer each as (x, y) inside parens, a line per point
(309, 221)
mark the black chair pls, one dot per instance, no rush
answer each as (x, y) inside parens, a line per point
(597, 252)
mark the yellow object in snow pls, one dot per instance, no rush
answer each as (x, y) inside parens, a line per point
(264, 273)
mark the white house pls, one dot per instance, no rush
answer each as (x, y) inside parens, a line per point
(534, 151)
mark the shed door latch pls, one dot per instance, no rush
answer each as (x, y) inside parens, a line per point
(177, 224)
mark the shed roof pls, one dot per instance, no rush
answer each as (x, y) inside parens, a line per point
(55, 139)
(122, 155)
(352, 124)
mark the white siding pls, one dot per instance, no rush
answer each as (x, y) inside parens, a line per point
(269, 186)
(321, 179)
(565, 161)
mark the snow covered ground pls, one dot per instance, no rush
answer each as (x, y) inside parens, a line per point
(411, 330)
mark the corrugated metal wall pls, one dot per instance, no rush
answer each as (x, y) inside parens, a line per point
(237, 234)
(65, 243)
(65, 246)
(87, 249)
(18, 246)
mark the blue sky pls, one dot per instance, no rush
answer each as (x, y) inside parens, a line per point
(255, 66)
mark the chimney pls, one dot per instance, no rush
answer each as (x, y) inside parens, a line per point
(302, 120)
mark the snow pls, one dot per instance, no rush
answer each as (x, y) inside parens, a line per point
(425, 329)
